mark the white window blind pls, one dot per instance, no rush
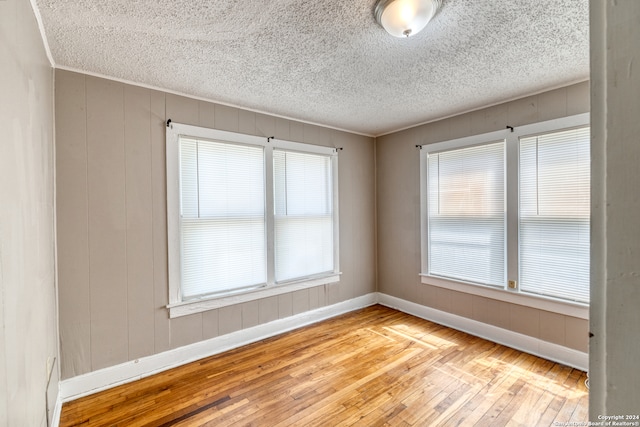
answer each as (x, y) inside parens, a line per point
(466, 214)
(555, 214)
(222, 217)
(303, 204)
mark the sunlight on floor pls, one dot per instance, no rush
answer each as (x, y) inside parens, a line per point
(427, 340)
(535, 380)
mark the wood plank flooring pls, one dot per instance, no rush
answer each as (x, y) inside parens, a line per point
(372, 367)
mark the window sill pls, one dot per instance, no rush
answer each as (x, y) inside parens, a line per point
(186, 308)
(567, 308)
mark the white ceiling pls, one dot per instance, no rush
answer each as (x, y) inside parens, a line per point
(326, 61)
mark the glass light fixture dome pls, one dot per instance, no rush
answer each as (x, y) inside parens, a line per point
(405, 18)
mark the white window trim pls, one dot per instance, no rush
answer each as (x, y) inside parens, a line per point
(570, 308)
(176, 306)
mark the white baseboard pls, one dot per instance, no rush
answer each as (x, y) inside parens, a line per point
(554, 352)
(106, 378)
(57, 411)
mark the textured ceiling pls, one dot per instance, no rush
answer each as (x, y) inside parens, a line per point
(327, 61)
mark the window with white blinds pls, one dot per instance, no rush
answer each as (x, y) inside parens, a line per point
(303, 192)
(509, 211)
(222, 217)
(247, 217)
(466, 238)
(555, 214)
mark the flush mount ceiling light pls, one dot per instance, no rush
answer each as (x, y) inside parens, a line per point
(405, 18)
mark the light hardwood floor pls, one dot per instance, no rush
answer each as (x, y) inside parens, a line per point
(375, 366)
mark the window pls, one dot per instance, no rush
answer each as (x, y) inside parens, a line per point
(303, 214)
(222, 218)
(510, 211)
(248, 217)
(554, 214)
(466, 214)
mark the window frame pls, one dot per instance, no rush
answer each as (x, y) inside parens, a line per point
(575, 219)
(427, 262)
(178, 307)
(504, 293)
(286, 217)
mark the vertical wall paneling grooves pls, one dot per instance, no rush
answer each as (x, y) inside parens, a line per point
(162, 337)
(398, 216)
(72, 224)
(265, 125)
(139, 231)
(112, 220)
(107, 222)
(268, 309)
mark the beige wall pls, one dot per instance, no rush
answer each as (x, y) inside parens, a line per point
(28, 325)
(112, 236)
(398, 212)
(615, 253)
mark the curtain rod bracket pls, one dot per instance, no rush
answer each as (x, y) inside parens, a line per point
(510, 128)
(169, 123)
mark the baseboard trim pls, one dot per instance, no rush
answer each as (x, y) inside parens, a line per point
(93, 382)
(554, 352)
(57, 411)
